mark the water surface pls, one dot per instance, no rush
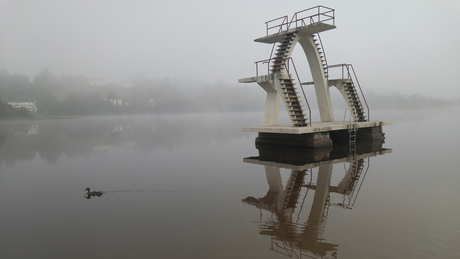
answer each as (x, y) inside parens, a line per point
(182, 186)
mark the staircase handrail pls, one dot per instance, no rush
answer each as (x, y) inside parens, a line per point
(361, 90)
(283, 23)
(263, 62)
(349, 71)
(327, 15)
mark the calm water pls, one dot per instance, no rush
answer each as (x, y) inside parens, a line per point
(194, 186)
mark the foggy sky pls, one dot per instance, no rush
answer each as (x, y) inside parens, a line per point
(410, 46)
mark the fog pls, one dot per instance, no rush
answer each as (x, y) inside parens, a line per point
(165, 147)
(403, 47)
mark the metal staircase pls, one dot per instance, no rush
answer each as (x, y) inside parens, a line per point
(347, 82)
(322, 54)
(354, 101)
(279, 65)
(293, 105)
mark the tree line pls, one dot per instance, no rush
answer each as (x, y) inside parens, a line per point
(75, 95)
(70, 95)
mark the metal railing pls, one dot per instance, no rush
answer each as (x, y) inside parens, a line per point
(299, 19)
(284, 22)
(348, 72)
(302, 18)
(286, 62)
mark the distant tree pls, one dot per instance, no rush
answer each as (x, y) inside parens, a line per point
(45, 79)
(20, 81)
(112, 95)
(73, 82)
(4, 109)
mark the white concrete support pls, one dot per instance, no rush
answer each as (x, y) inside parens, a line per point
(319, 78)
(339, 84)
(277, 86)
(272, 108)
(272, 104)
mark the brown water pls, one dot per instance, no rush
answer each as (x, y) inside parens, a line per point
(194, 186)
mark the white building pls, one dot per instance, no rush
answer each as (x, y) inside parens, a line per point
(29, 105)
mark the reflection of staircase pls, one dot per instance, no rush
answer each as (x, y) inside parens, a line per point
(348, 184)
(353, 101)
(356, 170)
(321, 53)
(293, 188)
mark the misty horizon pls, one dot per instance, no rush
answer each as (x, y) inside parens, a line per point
(213, 42)
(77, 95)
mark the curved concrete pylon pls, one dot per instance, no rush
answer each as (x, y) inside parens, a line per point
(315, 61)
(281, 81)
(319, 76)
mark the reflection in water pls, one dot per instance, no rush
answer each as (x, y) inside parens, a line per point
(288, 236)
(72, 138)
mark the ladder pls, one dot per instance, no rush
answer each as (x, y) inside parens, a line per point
(352, 127)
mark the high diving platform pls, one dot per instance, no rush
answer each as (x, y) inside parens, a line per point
(277, 75)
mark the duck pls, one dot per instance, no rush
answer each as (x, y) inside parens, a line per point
(93, 193)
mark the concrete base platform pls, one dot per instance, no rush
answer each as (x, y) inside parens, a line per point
(321, 135)
(315, 127)
(310, 140)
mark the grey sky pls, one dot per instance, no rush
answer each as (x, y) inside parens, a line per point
(410, 46)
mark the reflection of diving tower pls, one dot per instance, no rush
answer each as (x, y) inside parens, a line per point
(279, 81)
(288, 235)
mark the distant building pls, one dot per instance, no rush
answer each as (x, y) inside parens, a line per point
(151, 103)
(28, 105)
(97, 82)
(127, 84)
(116, 101)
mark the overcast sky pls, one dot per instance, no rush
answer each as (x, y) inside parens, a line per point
(405, 46)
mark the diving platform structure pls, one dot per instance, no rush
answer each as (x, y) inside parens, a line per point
(278, 75)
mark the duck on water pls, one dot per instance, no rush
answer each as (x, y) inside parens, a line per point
(92, 193)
